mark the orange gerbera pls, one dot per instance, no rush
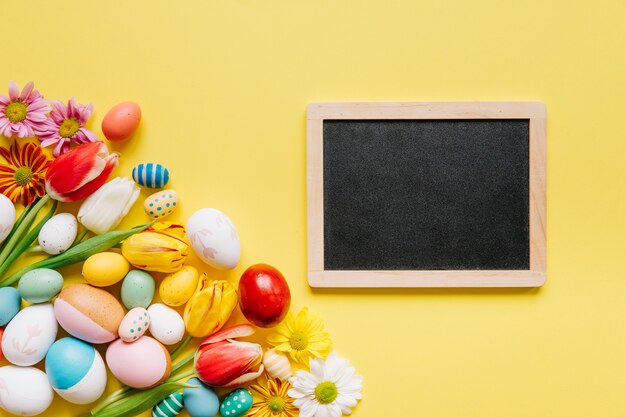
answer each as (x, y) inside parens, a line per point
(22, 178)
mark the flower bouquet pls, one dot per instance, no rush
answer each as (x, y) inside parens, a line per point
(165, 302)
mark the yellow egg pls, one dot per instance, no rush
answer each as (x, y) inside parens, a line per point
(105, 268)
(178, 287)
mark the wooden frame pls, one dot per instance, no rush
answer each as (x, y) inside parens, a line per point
(533, 111)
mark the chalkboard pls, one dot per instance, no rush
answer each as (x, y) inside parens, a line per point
(426, 194)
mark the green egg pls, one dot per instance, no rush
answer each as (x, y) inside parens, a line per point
(40, 285)
(137, 289)
(236, 404)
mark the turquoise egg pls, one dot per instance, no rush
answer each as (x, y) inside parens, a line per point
(10, 302)
(201, 401)
(151, 175)
(169, 407)
(137, 289)
(237, 403)
(40, 285)
(76, 370)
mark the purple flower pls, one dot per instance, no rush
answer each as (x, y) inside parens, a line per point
(65, 124)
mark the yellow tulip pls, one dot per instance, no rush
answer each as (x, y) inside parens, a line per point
(160, 248)
(210, 307)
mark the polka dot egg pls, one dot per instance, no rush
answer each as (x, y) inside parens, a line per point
(134, 324)
(161, 204)
(236, 404)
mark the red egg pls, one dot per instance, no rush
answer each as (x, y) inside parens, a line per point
(1, 332)
(264, 296)
(121, 121)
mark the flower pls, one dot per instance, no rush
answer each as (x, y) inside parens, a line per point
(302, 337)
(65, 124)
(160, 248)
(274, 400)
(210, 307)
(223, 362)
(103, 210)
(22, 178)
(22, 114)
(330, 389)
(80, 172)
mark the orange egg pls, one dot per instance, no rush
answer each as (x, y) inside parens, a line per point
(121, 121)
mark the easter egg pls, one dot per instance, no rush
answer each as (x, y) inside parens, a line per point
(200, 401)
(177, 288)
(10, 302)
(24, 391)
(151, 175)
(105, 268)
(277, 365)
(40, 285)
(7, 217)
(58, 233)
(137, 289)
(264, 296)
(214, 238)
(166, 325)
(237, 403)
(76, 371)
(141, 364)
(29, 335)
(161, 203)
(88, 313)
(169, 407)
(121, 121)
(134, 324)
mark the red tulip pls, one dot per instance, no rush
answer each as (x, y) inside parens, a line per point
(224, 363)
(80, 172)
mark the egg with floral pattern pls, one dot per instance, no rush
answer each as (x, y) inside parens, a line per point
(29, 335)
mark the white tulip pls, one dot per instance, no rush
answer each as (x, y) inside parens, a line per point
(103, 210)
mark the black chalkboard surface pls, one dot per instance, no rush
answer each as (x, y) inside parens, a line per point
(426, 194)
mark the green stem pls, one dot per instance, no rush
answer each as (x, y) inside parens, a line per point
(182, 376)
(182, 363)
(17, 224)
(113, 398)
(80, 237)
(180, 348)
(22, 228)
(79, 252)
(25, 243)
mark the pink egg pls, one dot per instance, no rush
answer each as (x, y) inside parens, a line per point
(141, 364)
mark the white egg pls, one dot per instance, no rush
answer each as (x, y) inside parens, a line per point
(58, 234)
(24, 391)
(214, 238)
(7, 217)
(29, 335)
(166, 325)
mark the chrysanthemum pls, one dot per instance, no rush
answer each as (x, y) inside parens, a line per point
(22, 114)
(274, 400)
(331, 388)
(302, 337)
(66, 125)
(22, 178)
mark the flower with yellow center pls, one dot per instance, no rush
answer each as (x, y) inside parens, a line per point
(22, 178)
(303, 337)
(274, 400)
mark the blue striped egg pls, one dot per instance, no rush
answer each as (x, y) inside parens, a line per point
(169, 407)
(76, 370)
(151, 175)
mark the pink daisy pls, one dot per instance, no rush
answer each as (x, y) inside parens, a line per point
(22, 114)
(65, 124)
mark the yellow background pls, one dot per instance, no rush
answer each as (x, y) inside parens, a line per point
(224, 85)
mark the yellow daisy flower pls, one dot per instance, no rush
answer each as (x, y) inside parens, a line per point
(274, 400)
(302, 337)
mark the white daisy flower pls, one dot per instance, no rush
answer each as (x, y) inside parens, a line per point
(331, 389)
